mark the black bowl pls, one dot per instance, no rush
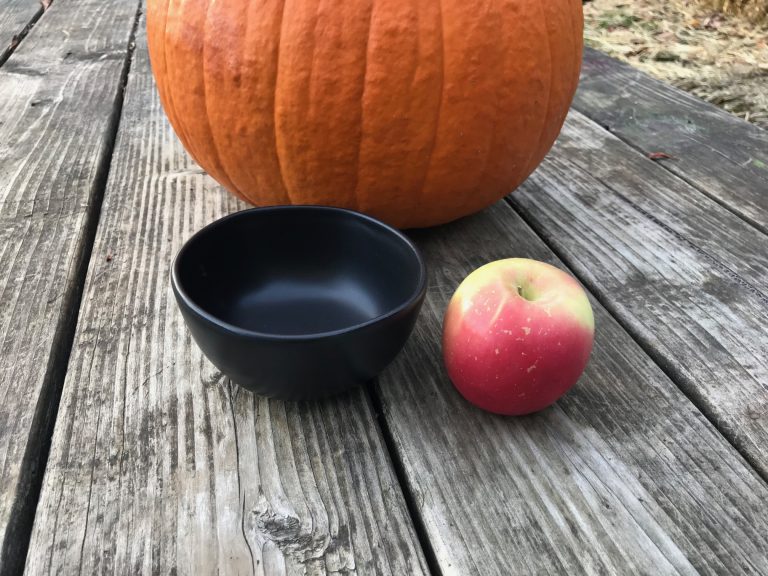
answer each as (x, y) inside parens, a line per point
(298, 302)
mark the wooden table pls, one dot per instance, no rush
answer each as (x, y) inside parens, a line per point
(122, 450)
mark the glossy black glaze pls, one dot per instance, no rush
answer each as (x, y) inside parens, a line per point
(299, 302)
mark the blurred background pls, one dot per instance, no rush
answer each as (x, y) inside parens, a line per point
(716, 49)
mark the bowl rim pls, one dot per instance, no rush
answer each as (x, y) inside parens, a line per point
(415, 297)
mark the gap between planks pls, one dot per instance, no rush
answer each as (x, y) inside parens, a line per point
(19, 36)
(211, 476)
(591, 485)
(719, 155)
(401, 474)
(679, 175)
(14, 548)
(747, 275)
(671, 372)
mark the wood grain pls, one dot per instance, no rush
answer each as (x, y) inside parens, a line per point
(622, 476)
(16, 19)
(158, 463)
(687, 279)
(721, 155)
(665, 197)
(59, 94)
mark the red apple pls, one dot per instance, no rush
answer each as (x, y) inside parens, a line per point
(517, 335)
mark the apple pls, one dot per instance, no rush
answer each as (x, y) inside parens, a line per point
(517, 335)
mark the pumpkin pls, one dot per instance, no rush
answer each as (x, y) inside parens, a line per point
(414, 111)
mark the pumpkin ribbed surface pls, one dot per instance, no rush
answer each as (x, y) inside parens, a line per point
(414, 111)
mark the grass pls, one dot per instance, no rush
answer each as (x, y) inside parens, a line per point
(722, 59)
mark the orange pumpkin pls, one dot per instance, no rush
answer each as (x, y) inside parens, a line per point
(414, 111)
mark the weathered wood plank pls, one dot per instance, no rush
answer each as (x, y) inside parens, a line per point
(158, 464)
(59, 94)
(686, 211)
(684, 275)
(16, 18)
(622, 476)
(718, 153)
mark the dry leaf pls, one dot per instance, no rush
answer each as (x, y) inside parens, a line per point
(639, 51)
(713, 22)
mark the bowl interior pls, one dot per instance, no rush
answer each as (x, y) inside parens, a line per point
(298, 270)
